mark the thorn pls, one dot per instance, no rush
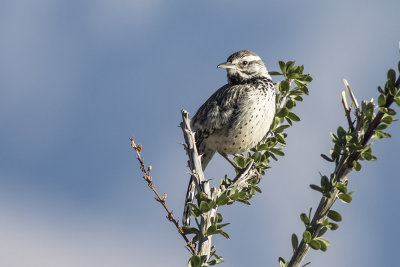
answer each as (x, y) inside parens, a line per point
(344, 101)
(139, 147)
(170, 216)
(353, 98)
(133, 144)
(147, 178)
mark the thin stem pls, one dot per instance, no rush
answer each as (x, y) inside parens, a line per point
(347, 111)
(161, 199)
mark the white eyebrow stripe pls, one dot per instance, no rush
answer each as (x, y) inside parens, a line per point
(251, 58)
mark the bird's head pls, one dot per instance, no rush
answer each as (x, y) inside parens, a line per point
(244, 65)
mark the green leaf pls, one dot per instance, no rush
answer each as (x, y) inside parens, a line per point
(274, 73)
(212, 229)
(222, 199)
(280, 129)
(393, 90)
(224, 234)
(323, 243)
(368, 156)
(304, 89)
(349, 137)
(190, 230)
(277, 151)
(323, 240)
(211, 204)
(341, 132)
(389, 111)
(256, 188)
(194, 261)
(293, 116)
(257, 156)
(322, 231)
(263, 147)
(381, 100)
(285, 87)
(281, 139)
(368, 109)
(282, 112)
(315, 187)
(397, 99)
(307, 236)
(391, 76)
(244, 201)
(356, 165)
(195, 211)
(387, 119)
(217, 259)
(282, 66)
(290, 104)
(379, 135)
(218, 218)
(332, 226)
(325, 157)
(219, 226)
(289, 66)
(382, 126)
(342, 187)
(204, 207)
(294, 76)
(325, 184)
(346, 198)
(334, 215)
(295, 242)
(305, 219)
(240, 161)
(314, 244)
(333, 136)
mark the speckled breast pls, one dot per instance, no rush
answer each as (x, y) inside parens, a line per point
(250, 123)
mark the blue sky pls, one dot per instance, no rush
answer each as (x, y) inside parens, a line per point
(78, 78)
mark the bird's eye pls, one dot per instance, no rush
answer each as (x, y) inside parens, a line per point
(245, 62)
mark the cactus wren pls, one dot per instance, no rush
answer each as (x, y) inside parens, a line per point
(237, 116)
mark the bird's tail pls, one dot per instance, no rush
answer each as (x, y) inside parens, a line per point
(190, 194)
(191, 191)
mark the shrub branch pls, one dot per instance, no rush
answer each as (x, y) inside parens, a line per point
(357, 147)
(161, 199)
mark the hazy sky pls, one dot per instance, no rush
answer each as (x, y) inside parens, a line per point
(78, 78)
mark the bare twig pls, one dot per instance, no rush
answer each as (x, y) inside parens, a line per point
(161, 199)
(347, 111)
(353, 98)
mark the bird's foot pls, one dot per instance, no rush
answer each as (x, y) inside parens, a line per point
(231, 161)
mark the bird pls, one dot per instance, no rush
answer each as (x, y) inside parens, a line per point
(237, 116)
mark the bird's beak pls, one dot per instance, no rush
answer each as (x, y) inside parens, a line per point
(226, 65)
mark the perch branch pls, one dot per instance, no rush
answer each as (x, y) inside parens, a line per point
(202, 184)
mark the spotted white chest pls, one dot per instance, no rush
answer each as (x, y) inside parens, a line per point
(248, 125)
